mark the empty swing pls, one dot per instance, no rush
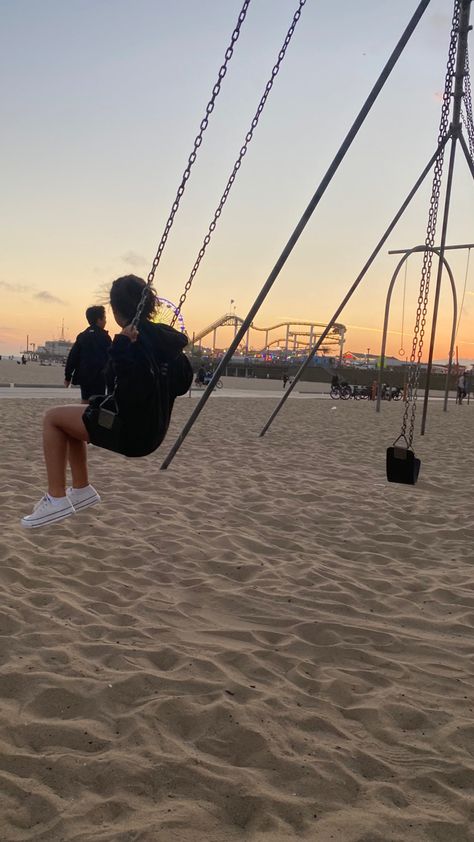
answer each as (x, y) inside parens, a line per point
(402, 466)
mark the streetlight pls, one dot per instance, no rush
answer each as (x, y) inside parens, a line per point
(368, 352)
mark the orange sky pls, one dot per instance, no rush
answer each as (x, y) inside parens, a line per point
(98, 131)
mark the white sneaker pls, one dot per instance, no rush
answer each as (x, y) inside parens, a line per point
(82, 498)
(48, 511)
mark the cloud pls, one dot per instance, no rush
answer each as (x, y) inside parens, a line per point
(46, 296)
(134, 259)
(21, 289)
(18, 288)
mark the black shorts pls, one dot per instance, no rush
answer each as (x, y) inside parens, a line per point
(95, 387)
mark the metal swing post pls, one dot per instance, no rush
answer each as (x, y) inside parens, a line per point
(467, 154)
(456, 127)
(357, 282)
(327, 178)
(388, 299)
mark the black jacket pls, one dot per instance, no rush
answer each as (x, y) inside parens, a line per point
(134, 371)
(88, 356)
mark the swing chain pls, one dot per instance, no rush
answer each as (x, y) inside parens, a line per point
(198, 140)
(238, 163)
(423, 297)
(467, 117)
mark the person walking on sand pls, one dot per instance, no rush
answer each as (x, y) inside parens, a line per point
(462, 388)
(87, 359)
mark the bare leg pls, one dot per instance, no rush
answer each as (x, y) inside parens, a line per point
(63, 425)
(77, 458)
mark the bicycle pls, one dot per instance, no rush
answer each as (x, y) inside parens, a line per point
(201, 384)
(343, 391)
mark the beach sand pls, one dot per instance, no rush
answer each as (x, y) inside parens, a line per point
(265, 642)
(31, 374)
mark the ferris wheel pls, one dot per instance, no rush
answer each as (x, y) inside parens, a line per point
(166, 311)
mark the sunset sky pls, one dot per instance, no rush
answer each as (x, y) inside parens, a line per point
(100, 104)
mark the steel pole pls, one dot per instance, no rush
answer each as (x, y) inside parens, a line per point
(341, 346)
(327, 178)
(422, 248)
(453, 339)
(458, 94)
(434, 323)
(357, 281)
(385, 328)
(465, 149)
(192, 364)
(387, 315)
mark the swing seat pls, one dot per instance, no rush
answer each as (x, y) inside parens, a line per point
(402, 465)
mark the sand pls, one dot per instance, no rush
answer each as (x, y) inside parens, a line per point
(31, 374)
(265, 642)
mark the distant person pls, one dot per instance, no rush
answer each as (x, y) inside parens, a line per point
(462, 388)
(23, 359)
(285, 380)
(467, 383)
(201, 375)
(335, 381)
(87, 359)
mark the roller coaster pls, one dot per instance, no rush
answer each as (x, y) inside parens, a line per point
(292, 336)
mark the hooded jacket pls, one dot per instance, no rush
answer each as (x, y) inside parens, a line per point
(142, 376)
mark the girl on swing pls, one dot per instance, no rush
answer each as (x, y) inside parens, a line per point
(146, 371)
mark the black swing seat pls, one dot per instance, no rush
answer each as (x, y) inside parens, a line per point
(402, 465)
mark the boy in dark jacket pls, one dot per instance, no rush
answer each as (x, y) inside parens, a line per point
(87, 359)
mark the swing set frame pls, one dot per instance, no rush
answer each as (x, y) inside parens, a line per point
(454, 135)
(456, 311)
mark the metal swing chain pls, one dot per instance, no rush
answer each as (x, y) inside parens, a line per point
(470, 135)
(198, 140)
(192, 157)
(238, 163)
(467, 117)
(187, 172)
(423, 297)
